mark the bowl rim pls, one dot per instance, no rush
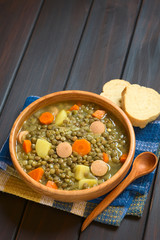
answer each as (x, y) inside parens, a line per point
(69, 193)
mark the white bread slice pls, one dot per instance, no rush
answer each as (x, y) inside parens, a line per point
(141, 104)
(113, 89)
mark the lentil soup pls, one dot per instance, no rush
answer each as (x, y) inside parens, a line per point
(72, 145)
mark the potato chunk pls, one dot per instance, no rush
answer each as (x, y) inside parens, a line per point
(42, 147)
(81, 171)
(89, 182)
(61, 116)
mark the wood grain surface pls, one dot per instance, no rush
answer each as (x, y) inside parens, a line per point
(11, 212)
(41, 71)
(41, 222)
(143, 61)
(48, 46)
(143, 67)
(104, 45)
(152, 226)
(17, 20)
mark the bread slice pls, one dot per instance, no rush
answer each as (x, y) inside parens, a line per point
(141, 104)
(113, 89)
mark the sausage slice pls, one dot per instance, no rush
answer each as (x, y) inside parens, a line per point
(64, 149)
(97, 127)
(21, 136)
(99, 168)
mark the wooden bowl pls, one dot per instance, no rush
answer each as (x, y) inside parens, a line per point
(75, 195)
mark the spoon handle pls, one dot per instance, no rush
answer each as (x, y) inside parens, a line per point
(108, 199)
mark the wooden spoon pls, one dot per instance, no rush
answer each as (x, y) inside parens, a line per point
(143, 164)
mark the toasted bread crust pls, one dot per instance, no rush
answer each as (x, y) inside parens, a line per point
(141, 104)
(113, 89)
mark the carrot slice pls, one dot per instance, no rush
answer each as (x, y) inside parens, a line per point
(27, 146)
(105, 157)
(46, 118)
(36, 174)
(99, 114)
(51, 185)
(74, 107)
(123, 157)
(81, 146)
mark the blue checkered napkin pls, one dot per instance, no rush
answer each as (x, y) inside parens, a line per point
(131, 201)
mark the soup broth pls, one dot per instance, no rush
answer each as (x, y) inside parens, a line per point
(72, 145)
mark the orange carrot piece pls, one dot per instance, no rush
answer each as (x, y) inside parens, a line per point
(99, 114)
(81, 146)
(105, 157)
(123, 157)
(51, 185)
(27, 146)
(46, 118)
(36, 174)
(74, 107)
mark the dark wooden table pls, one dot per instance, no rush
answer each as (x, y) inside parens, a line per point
(52, 45)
